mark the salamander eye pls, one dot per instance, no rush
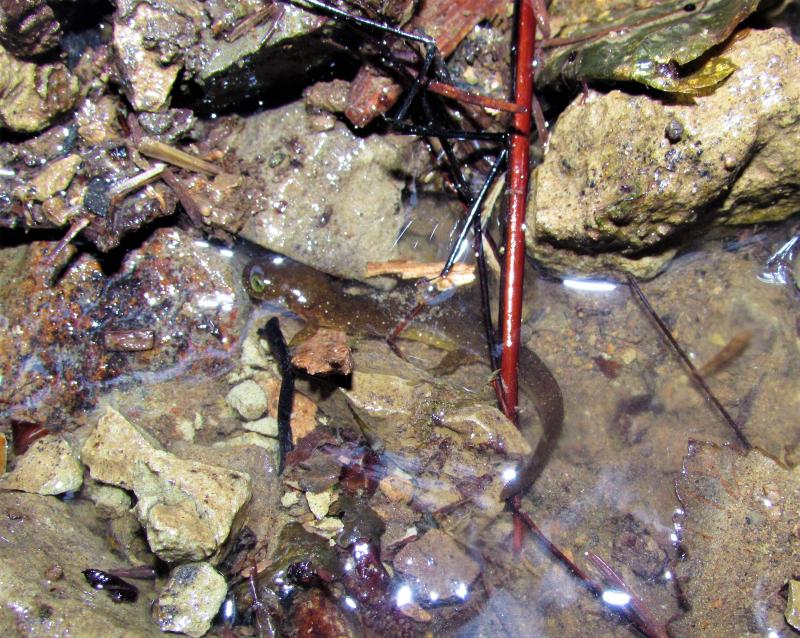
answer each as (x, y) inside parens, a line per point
(257, 283)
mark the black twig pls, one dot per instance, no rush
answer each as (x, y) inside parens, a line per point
(698, 378)
(277, 346)
(469, 223)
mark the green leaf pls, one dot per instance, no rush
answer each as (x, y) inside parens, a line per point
(647, 45)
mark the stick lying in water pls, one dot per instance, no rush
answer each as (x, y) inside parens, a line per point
(277, 345)
(698, 378)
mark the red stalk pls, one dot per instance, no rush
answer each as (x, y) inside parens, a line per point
(518, 173)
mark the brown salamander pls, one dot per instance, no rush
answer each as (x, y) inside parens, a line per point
(323, 302)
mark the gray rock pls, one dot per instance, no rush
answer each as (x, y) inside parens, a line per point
(50, 466)
(264, 57)
(618, 177)
(328, 198)
(47, 544)
(186, 507)
(248, 399)
(149, 42)
(190, 599)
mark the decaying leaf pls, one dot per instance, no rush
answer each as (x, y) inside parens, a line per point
(740, 528)
(648, 45)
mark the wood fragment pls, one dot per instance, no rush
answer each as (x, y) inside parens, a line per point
(460, 274)
(176, 157)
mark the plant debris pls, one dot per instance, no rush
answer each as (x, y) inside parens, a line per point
(120, 591)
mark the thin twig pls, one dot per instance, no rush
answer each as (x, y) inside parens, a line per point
(514, 268)
(698, 378)
(518, 175)
(635, 612)
(77, 226)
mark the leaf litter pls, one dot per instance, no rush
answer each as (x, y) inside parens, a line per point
(618, 40)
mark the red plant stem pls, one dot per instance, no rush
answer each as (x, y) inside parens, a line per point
(518, 170)
(514, 268)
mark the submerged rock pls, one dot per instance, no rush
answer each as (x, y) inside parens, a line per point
(50, 466)
(454, 448)
(190, 599)
(47, 544)
(437, 566)
(248, 399)
(53, 358)
(186, 507)
(631, 174)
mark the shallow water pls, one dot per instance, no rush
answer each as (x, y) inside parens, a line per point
(631, 409)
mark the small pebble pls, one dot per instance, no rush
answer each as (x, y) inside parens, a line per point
(248, 399)
(628, 355)
(674, 131)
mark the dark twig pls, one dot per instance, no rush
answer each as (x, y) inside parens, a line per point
(635, 611)
(696, 376)
(474, 213)
(277, 345)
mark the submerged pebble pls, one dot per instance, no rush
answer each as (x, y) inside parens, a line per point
(191, 598)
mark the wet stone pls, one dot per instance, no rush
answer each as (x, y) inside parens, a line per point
(437, 567)
(320, 187)
(671, 166)
(148, 82)
(48, 544)
(28, 27)
(190, 599)
(109, 501)
(268, 426)
(50, 466)
(32, 95)
(186, 507)
(248, 399)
